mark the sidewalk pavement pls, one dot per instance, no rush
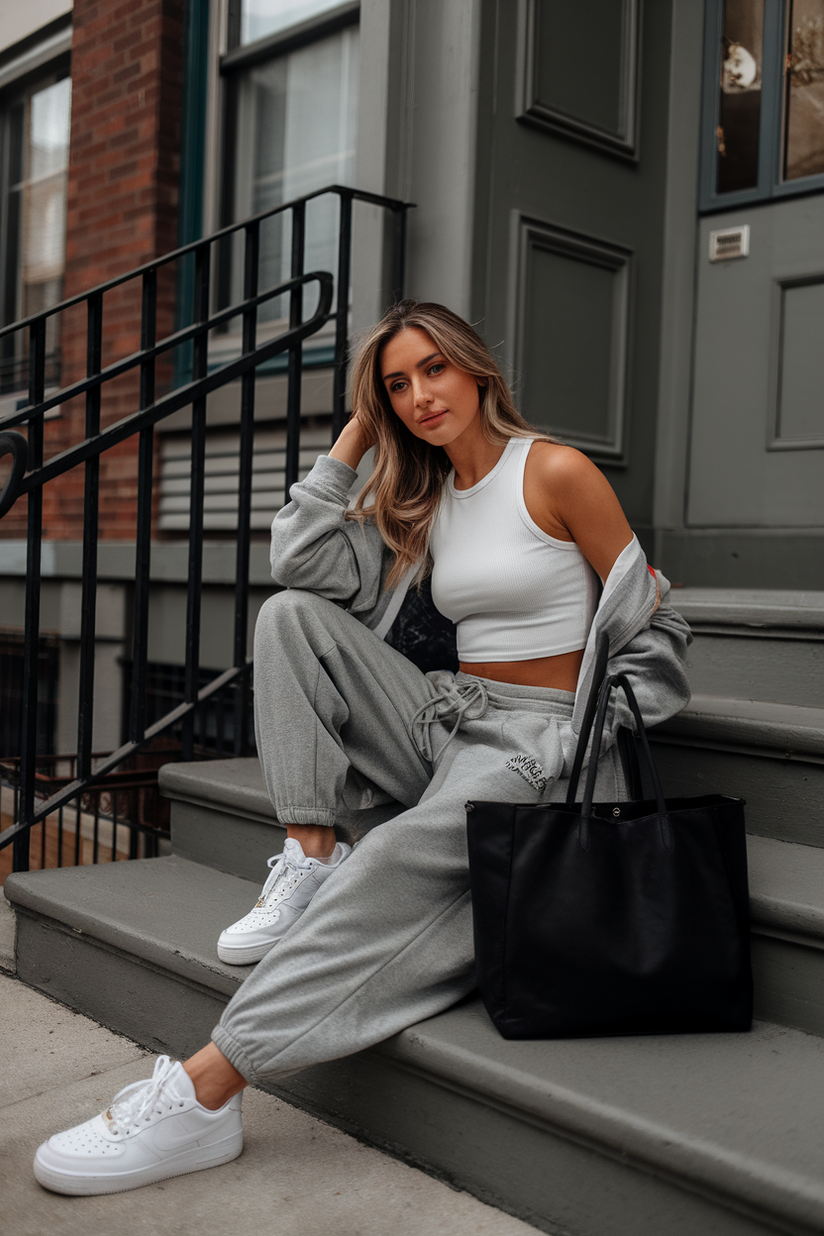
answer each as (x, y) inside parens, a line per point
(296, 1176)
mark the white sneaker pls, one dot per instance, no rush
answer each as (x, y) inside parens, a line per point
(287, 892)
(154, 1129)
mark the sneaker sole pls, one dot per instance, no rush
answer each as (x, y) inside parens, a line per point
(244, 954)
(76, 1184)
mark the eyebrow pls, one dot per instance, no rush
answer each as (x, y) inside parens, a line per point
(420, 364)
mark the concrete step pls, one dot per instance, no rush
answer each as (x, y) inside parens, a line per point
(209, 798)
(755, 644)
(218, 809)
(770, 754)
(716, 1134)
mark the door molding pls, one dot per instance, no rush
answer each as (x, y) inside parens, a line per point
(534, 237)
(779, 361)
(534, 106)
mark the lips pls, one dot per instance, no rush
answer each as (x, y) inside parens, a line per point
(433, 418)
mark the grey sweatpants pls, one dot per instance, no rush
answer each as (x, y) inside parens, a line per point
(387, 940)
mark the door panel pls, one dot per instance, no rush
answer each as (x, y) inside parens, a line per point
(757, 456)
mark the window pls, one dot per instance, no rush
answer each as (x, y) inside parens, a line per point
(763, 100)
(259, 18)
(34, 146)
(291, 127)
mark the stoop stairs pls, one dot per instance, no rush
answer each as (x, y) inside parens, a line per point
(703, 1135)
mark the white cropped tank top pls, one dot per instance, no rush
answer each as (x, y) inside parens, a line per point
(514, 592)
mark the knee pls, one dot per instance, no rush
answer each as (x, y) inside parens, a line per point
(287, 615)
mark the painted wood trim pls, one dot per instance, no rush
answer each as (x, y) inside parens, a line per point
(775, 442)
(583, 248)
(623, 141)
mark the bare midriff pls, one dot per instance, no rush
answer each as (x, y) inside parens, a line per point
(560, 672)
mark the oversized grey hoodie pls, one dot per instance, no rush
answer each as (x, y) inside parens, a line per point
(316, 548)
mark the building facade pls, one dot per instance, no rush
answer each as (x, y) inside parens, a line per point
(627, 199)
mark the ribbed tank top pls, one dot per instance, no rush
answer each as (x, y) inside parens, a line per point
(514, 592)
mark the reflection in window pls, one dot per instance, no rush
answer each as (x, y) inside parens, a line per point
(296, 121)
(740, 102)
(44, 197)
(804, 114)
(261, 17)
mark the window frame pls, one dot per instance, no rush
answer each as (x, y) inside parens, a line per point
(232, 62)
(35, 73)
(240, 58)
(770, 186)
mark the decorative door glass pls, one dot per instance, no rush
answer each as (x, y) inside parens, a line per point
(739, 107)
(804, 83)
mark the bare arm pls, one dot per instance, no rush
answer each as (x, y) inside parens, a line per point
(571, 499)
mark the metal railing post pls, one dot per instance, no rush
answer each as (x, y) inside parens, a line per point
(143, 537)
(398, 270)
(88, 609)
(342, 315)
(294, 392)
(200, 368)
(28, 748)
(251, 258)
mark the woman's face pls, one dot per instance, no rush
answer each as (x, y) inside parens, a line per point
(436, 400)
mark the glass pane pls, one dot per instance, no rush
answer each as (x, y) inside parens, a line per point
(296, 133)
(740, 95)
(44, 196)
(261, 17)
(804, 116)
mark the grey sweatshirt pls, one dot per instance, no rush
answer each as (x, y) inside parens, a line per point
(316, 548)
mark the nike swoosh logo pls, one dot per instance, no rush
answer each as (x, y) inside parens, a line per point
(170, 1135)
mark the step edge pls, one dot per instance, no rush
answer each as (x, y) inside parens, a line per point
(696, 1160)
(114, 934)
(179, 781)
(692, 1161)
(236, 809)
(785, 728)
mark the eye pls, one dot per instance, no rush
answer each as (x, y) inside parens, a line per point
(397, 386)
(437, 367)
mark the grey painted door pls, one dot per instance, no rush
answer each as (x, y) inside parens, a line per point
(757, 457)
(571, 169)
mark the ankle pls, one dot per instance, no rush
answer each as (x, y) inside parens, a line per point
(215, 1080)
(316, 840)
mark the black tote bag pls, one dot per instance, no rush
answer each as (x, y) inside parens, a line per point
(611, 918)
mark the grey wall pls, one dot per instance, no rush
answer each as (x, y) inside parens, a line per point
(416, 140)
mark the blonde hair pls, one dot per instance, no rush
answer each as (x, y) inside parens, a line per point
(404, 491)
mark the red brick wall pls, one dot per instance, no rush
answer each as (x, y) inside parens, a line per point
(127, 70)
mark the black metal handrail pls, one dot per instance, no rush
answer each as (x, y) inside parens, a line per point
(30, 472)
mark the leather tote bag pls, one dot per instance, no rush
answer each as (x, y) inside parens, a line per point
(611, 918)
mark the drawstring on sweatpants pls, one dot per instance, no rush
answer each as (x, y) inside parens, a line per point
(456, 700)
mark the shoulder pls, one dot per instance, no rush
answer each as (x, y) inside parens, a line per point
(563, 474)
(554, 462)
(570, 498)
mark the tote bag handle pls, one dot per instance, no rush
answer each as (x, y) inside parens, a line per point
(620, 680)
(598, 674)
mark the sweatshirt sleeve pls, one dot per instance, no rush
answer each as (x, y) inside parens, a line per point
(648, 642)
(316, 548)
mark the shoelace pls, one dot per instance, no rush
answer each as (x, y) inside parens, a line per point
(456, 700)
(135, 1102)
(285, 869)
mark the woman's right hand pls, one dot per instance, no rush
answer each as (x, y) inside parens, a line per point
(353, 442)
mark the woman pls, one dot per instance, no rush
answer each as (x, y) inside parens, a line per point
(517, 528)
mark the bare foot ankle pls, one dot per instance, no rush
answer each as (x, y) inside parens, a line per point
(215, 1080)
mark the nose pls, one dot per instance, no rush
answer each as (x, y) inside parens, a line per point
(420, 392)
